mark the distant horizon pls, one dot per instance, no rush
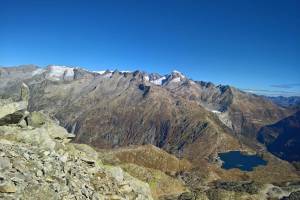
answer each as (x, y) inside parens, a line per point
(252, 44)
(262, 92)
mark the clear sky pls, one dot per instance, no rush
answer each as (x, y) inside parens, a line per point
(250, 44)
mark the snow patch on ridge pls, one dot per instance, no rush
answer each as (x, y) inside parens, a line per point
(100, 72)
(158, 81)
(103, 71)
(223, 117)
(175, 80)
(216, 111)
(146, 78)
(125, 71)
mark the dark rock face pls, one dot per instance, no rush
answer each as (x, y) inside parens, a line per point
(187, 196)
(283, 138)
(13, 118)
(144, 88)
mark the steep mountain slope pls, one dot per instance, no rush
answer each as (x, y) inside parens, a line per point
(283, 137)
(242, 112)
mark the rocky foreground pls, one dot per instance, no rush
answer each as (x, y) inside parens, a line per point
(38, 162)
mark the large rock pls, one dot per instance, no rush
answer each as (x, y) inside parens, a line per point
(7, 187)
(14, 112)
(8, 107)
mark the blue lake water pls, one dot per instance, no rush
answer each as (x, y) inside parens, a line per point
(235, 159)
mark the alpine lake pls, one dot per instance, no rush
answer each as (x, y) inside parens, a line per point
(240, 160)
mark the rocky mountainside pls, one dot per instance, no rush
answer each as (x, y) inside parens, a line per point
(138, 114)
(283, 137)
(242, 112)
(111, 109)
(118, 109)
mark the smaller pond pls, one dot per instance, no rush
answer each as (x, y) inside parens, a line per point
(236, 159)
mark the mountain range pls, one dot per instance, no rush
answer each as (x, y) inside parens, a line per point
(193, 120)
(112, 108)
(293, 101)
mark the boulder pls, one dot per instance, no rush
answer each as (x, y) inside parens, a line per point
(13, 112)
(7, 187)
(37, 119)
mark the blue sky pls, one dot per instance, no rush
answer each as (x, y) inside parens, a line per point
(251, 44)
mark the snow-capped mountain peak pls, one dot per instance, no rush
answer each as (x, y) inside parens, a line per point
(175, 72)
(158, 81)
